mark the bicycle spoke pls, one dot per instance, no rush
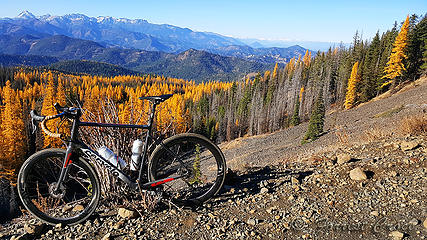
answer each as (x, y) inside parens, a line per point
(197, 164)
(65, 203)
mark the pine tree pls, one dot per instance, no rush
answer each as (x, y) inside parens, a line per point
(395, 67)
(417, 38)
(317, 119)
(370, 68)
(351, 87)
(295, 120)
(423, 67)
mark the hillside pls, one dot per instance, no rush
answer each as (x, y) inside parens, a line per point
(378, 118)
(191, 64)
(281, 190)
(33, 60)
(91, 68)
(263, 55)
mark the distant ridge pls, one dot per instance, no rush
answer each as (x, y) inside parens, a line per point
(91, 68)
(137, 34)
(191, 64)
(19, 60)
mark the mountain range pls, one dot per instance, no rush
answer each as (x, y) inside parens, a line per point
(137, 44)
(191, 64)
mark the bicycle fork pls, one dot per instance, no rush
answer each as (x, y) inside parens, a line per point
(69, 153)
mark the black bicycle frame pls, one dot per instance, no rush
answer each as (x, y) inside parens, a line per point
(86, 150)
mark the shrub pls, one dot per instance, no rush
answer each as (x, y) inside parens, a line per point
(414, 125)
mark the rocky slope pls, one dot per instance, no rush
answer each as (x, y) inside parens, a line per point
(366, 177)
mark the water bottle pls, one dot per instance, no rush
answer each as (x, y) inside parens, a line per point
(136, 154)
(112, 157)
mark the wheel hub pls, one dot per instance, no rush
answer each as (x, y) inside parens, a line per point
(60, 193)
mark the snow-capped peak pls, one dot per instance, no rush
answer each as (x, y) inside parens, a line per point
(26, 15)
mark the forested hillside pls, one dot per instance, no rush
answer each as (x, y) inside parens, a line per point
(91, 68)
(191, 64)
(337, 79)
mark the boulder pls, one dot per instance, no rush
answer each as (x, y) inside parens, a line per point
(343, 158)
(358, 174)
(396, 235)
(128, 214)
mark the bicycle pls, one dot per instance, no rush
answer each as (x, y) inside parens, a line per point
(62, 186)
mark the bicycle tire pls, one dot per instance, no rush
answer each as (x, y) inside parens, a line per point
(203, 160)
(79, 193)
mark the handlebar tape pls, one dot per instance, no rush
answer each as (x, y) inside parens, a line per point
(46, 130)
(36, 117)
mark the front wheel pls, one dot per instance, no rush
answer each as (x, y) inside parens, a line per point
(77, 196)
(195, 163)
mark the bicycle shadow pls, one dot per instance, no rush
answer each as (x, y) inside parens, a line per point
(250, 183)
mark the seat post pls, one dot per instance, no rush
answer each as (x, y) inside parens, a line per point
(152, 114)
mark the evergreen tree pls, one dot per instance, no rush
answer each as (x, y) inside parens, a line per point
(424, 66)
(317, 119)
(395, 67)
(417, 38)
(370, 70)
(295, 120)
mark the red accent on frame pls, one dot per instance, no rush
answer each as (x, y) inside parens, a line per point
(68, 161)
(161, 182)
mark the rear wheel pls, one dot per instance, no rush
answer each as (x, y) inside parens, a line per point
(77, 197)
(195, 163)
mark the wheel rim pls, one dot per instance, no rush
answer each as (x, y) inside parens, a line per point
(195, 180)
(73, 198)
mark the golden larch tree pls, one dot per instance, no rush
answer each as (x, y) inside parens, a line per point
(301, 92)
(13, 129)
(307, 58)
(395, 67)
(48, 109)
(351, 87)
(275, 71)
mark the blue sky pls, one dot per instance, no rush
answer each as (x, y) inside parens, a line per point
(321, 20)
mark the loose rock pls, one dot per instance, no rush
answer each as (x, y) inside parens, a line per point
(78, 208)
(33, 229)
(128, 214)
(251, 221)
(410, 145)
(358, 174)
(396, 235)
(375, 213)
(294, 181)
(264, 190)
(107, 236)
(343, 158)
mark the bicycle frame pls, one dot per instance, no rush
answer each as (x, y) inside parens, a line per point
(76, 143)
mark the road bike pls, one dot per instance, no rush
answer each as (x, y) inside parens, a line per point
(62, 186)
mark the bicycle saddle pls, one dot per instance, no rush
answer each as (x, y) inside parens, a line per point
(160, 98)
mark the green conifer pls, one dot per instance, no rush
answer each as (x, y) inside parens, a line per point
(317, 119)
